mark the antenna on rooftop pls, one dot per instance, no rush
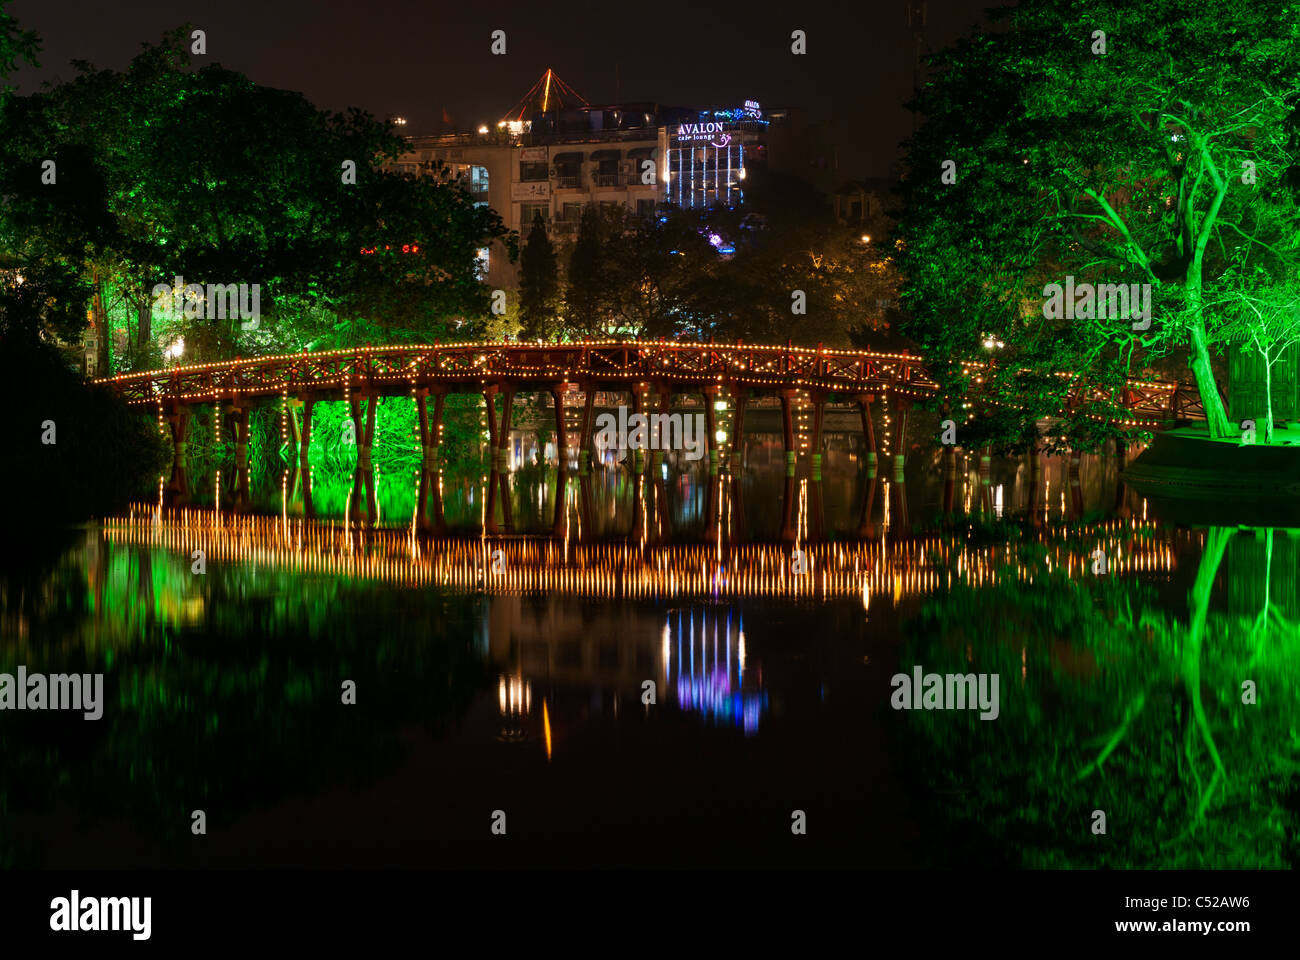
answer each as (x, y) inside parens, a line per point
(548, 93)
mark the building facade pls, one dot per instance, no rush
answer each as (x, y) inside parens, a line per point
(558, 161)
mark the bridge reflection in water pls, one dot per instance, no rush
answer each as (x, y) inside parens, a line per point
(897, 566)
(698, 658)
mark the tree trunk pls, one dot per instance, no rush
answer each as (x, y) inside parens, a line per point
(100, 317)
(146, 320)
(1268, 397)
(1215, 416)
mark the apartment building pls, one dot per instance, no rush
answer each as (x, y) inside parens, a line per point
(554, 155)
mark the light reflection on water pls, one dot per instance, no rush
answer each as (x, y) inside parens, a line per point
(473, 678)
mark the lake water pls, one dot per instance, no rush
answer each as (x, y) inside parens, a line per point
(1146, 676)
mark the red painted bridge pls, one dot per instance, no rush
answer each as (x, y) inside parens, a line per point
(612, 365)
(575, 372)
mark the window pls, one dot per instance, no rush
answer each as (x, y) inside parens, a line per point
(573, 212)
(478, 182)
(645, 208)
(529, 210)
(532, 172)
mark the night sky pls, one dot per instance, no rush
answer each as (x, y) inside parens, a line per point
(414, 58)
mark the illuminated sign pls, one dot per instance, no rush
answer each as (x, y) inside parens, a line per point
(752, 110)
(699, 131)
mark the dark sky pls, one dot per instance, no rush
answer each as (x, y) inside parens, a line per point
(415, 57)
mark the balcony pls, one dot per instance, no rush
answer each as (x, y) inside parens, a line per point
(569, 181)
(563, 228)
(609, 179)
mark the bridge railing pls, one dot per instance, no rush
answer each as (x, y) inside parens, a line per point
(611, 364)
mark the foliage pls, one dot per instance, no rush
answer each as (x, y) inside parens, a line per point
(165, 171)
(103, 455)
(1109, 703)
(1163, 161)
(539, 285)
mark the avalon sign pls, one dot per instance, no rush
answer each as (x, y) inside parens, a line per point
(699, 131)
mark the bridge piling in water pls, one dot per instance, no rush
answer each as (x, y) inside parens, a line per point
(710, 394)
(179, 422)
(900, 406)
(819, 406)
(949, 476)
(742, 372)
(864, 401)
(584, 441)
(738, 433)
(430, 430)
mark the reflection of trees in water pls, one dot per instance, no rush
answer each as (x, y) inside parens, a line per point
(224, 693)
(1110, 703)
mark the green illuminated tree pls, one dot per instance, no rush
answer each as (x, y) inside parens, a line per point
(1110, 701)
(208, 176)
(1265, 322)
(1114, 143)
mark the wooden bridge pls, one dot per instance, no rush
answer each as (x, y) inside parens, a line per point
(572, 373)
(611, 365)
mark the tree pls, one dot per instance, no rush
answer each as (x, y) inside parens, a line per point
(588, 298)
(655, 272)
(1110, 143)
(202, 174)
(1267, 324)
(539, 284)
(16, 46)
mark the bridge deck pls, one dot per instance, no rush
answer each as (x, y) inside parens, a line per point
(610, 365)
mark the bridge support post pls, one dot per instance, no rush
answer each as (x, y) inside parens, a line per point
(236, 413)
(561, 430)
(562, 456)
(179, 421)
(949, 476)
(819, 407)
(738, 433)
(430, 430)
(657, 438)
(1035, 483)
(638, 406)
(1121, 457)
(866, 529)
(787, 430)
(1076, 484)
(868, 431)
(584, 442)
(302, 436)
(736, 516)
(710, 394)
(503, 432)
(364, 483)
(490, 526)
(788, 533)
(363, 423)
(901, 406)
(502, 455)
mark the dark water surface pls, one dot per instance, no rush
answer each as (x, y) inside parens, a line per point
(514, 682)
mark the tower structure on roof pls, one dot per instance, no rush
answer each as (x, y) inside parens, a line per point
(548, 93)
